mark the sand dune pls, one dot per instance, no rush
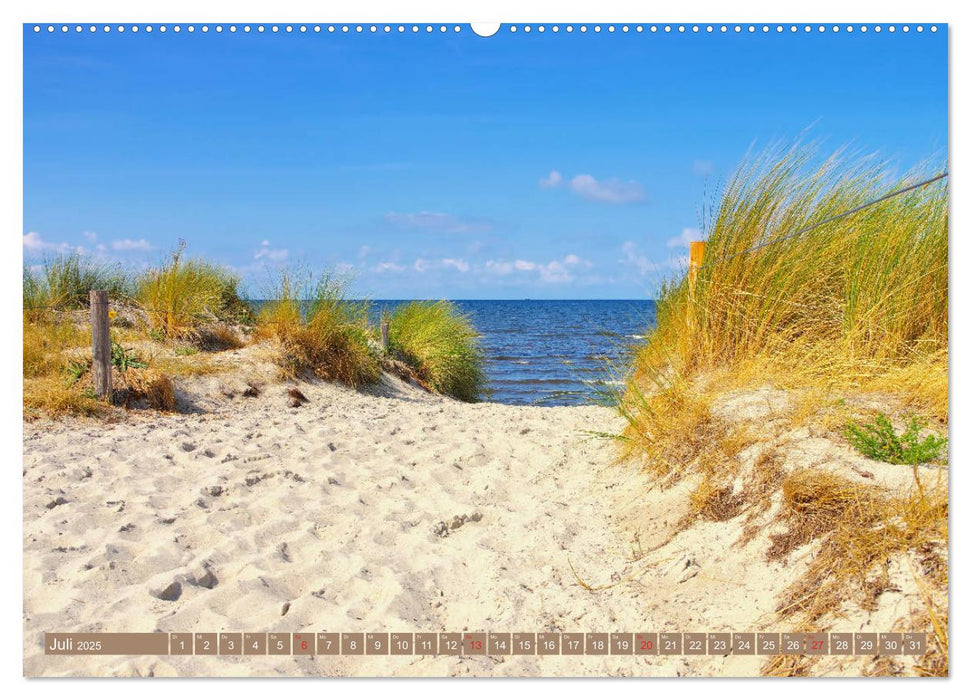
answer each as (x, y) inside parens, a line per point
(396, 511)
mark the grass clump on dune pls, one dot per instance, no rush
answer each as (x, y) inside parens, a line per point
(181, 296)
(856, 306)
(854, 303)
(320, 330)
(64, 282)
(55, 354)
(439, 342)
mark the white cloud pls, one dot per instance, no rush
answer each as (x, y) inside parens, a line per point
(127, 244)
(458, 264)
(687, 235)
(436, 222)
(633, 257)
(555, 179)
(499, 267)
(610, 191)
(388, 266)
(266, 252)
(576, 260)
(90, 236)
(35, 243)
(363, 251)
(423, 265)
(553, 271)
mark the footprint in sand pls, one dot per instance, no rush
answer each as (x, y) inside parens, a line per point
(443, 529)
(170, 593)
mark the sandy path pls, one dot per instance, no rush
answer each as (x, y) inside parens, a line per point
(325, 518)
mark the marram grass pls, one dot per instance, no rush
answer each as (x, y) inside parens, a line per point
(320, 330)
(858, 305)
(65, 281)
(440, 343)
(182, 295)
(858, 302)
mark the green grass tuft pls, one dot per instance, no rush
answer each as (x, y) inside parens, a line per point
(878, 440)
(439, 342)
(321, 331)
(181, 296)
(64, 282)
(857, 303)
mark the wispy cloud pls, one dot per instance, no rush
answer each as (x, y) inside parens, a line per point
(554, 179)
(388, 266)
(33, 242)
(631, 256)
(702, 167)
(609, 191)
(687, 235)
(554, 271)
(267, 252)
(128, 244)
(435, 222)
(458, 264)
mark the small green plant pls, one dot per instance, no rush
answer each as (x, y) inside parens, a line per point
(124, 358)
(878, 440)
(185, 350)
(76, 369)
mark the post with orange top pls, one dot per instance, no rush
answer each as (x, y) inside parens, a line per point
(101, 344)
(696, 253)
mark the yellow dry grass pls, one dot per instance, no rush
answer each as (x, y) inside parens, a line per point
(856, 308)
(858, 530)
(150, 384)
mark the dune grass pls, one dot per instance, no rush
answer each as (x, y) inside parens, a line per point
(861, 530)
(856, 306)
(64, 282)
(320, 330)
(181, 296)
(439, 342)
(53, 351)
(857, 303)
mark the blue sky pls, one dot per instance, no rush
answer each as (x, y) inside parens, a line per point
(440, 165)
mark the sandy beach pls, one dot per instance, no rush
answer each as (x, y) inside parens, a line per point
(394, 510)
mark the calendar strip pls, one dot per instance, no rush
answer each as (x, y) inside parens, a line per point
(243, 644)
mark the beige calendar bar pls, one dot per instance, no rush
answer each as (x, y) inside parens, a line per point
(240, 645)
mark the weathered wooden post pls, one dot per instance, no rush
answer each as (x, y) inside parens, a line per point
(384, 334)
(101, 344)
(696, 253)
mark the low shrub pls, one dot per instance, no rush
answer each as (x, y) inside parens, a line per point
(878, 440)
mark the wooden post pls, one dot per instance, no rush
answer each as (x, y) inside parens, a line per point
(101, 344)
(384, 335)
(695, 256)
